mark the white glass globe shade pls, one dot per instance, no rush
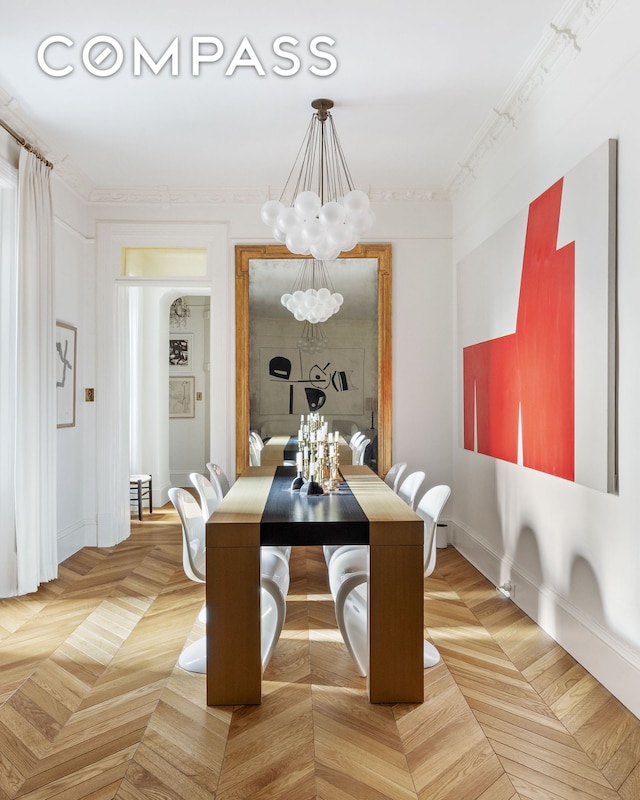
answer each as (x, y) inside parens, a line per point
(307, 204)
(285, 299)
(313, 318)
(325, 251)
(296, 242)
(341, 236)
(288, 219)
(270, 212)
(351, 238)
(313, 230)
(332, 213)
(278, 234)
(323, 294)
(356, 201)
(338, 298)
(299, 315)
(311, 300)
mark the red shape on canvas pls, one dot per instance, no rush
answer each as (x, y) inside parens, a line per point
(530, 374)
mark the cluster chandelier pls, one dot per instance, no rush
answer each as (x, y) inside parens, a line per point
(327, 214)
(312, 297)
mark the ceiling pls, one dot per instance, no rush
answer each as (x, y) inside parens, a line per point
(416, 80)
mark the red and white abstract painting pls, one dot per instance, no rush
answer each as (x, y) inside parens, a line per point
(536, 331)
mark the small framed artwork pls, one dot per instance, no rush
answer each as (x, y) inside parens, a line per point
(182, 396)
(65, 375)
(180, 350)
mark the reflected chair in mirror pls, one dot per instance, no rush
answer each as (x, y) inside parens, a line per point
(360, 451)
(254, 454)
(207, 492)
(218, 478)
(348, 580)
(353, 441)
(409, 488)
(392, 478)
(274, 582)
(257, 440)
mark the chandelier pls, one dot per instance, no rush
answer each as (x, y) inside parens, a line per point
(312, 297)
(179, 312)
(327, 214)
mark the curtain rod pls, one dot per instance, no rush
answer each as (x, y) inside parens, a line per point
(24, 143)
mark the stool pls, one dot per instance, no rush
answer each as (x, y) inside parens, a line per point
(140, 489)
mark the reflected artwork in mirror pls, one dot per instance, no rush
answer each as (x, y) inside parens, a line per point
(287, 366)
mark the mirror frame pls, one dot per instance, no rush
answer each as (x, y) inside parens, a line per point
(247, 253)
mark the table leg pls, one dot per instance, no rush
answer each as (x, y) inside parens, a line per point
(396, 592)
(234, 669)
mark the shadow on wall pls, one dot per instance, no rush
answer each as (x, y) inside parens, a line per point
(584, 590)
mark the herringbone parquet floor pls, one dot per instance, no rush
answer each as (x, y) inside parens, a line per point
(93, 705)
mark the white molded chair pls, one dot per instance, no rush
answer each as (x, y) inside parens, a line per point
(392, 478)
(409, 488)
(218, 478)
(254, 454)
(358, 455)
(207, 492)
(274, 582)
(206, 488)
(353, 442)
(257, 440)
(348, 579)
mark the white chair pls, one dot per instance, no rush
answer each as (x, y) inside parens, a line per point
(274, 582)
(409, 488)
(257, 439)
(254, 454)
(358, 455)
(392, 478)
(348, 579)
(207, 492)
(218, 478)
(207, 488)
(353, 442)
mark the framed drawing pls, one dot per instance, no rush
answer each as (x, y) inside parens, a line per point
(182, 395)
(65, 375)
(180, 351)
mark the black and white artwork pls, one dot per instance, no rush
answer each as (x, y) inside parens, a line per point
(65, 375)
(295, 382)
(180, 350)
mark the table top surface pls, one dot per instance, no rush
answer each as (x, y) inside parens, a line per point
(262, 508)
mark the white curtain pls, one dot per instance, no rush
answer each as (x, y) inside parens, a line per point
(35, 443)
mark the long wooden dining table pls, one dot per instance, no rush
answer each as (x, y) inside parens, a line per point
(281, 448)
(260, 509)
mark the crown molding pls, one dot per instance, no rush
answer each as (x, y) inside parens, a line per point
(199, 196)
(63, 169)
(560, 44)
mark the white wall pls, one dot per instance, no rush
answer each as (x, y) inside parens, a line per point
(572, 553)
(75, 304)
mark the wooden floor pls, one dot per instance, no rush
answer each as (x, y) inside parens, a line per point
(92, 704)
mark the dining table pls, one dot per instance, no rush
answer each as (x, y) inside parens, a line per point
(261, 509)
(283, 447)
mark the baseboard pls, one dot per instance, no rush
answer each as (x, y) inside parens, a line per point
(75, 537)
(609, 659)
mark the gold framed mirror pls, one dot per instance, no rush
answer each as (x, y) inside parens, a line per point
(259, 263)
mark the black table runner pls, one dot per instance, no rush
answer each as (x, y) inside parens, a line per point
(289, 518)
(291, 449)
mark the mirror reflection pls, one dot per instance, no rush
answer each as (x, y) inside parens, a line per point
(319, 352)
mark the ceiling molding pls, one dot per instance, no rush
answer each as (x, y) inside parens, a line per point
(206, 196)
(561, 43)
